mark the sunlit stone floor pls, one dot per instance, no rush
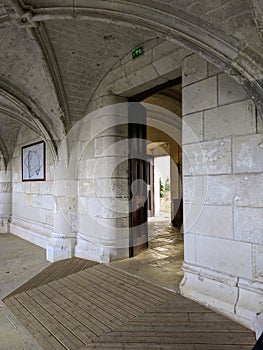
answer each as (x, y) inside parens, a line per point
(162, 262)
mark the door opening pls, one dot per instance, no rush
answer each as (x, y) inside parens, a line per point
(159, 167)
(156, 247)
(137, 179)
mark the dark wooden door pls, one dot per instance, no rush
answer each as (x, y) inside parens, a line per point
(137, 179)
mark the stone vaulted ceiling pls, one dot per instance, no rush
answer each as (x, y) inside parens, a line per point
(85, 51)
(55, 53)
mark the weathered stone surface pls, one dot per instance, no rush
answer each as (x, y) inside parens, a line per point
(231, 120)
(107, 208)
(21, 60)
(258, 256)
(229, 91)
(77, 43)
(164, 48)
(248, 154)
(200, 96)
(47, 201)
(5, 187)
(249, 301)
(36, 200)
(230, 257)
(213, 70)
(5, 197)
(212, 157)
(193, 128)
(197, 285)
(237, 298)
(215, 221)
(136, 64)
(103, 187)
(6, 175)
(9, 128)
(248, 224)
(223, 243)
(240, 190)
(169, 66)
(189, 247)
(5, 210)
(104, 167)
(106, 146)
(194, 69)
(141, 76)
(64, 188)
(260, 123)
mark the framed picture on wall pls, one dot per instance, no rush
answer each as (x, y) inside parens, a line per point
(34, 162)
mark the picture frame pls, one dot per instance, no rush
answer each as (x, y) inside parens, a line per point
(34, 162)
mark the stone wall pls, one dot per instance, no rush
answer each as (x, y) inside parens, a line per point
(32, 202)
(103, 207)
(223, 186)
(82, 208)
(5, 196)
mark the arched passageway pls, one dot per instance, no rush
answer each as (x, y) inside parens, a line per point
(51, 76)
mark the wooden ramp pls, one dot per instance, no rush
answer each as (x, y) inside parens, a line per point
(104, 308)
(54, 272)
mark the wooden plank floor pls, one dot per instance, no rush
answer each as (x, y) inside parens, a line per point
(55, 271)
(104, 308)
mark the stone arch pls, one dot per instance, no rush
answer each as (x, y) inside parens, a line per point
(241, 60)
(18, 109)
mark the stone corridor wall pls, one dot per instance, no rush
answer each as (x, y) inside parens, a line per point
(223, 186)
(5, 196)
(32, 202)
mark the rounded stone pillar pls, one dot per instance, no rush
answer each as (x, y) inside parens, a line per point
(5, 197)
(103, 209)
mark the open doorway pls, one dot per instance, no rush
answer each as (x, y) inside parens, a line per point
(165, 182)
(164, 162)
(160, 187)
(161, 259)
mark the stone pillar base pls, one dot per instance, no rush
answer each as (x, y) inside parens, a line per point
(233, 297)
(34, 232)
(4, 225)
(60, 248)
(98, 252)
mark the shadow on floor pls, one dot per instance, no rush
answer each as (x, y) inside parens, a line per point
(161, 263)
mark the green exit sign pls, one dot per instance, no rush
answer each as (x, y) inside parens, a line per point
(137, 52)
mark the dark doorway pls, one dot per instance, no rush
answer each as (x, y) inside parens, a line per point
(143, 204)
(137, 179)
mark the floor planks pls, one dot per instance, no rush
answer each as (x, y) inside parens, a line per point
(54, 272)
(100, 307)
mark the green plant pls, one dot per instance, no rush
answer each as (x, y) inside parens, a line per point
(167, 184)
(161, 188)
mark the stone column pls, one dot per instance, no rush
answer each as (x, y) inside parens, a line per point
(103, 209)
(223, 186)
(62, 242)
(5, 197)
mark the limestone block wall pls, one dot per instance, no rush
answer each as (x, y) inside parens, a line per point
(65, 223)
(32, 202)
(223, 186)
(5, 196)
(103, 206)
(82, 208)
